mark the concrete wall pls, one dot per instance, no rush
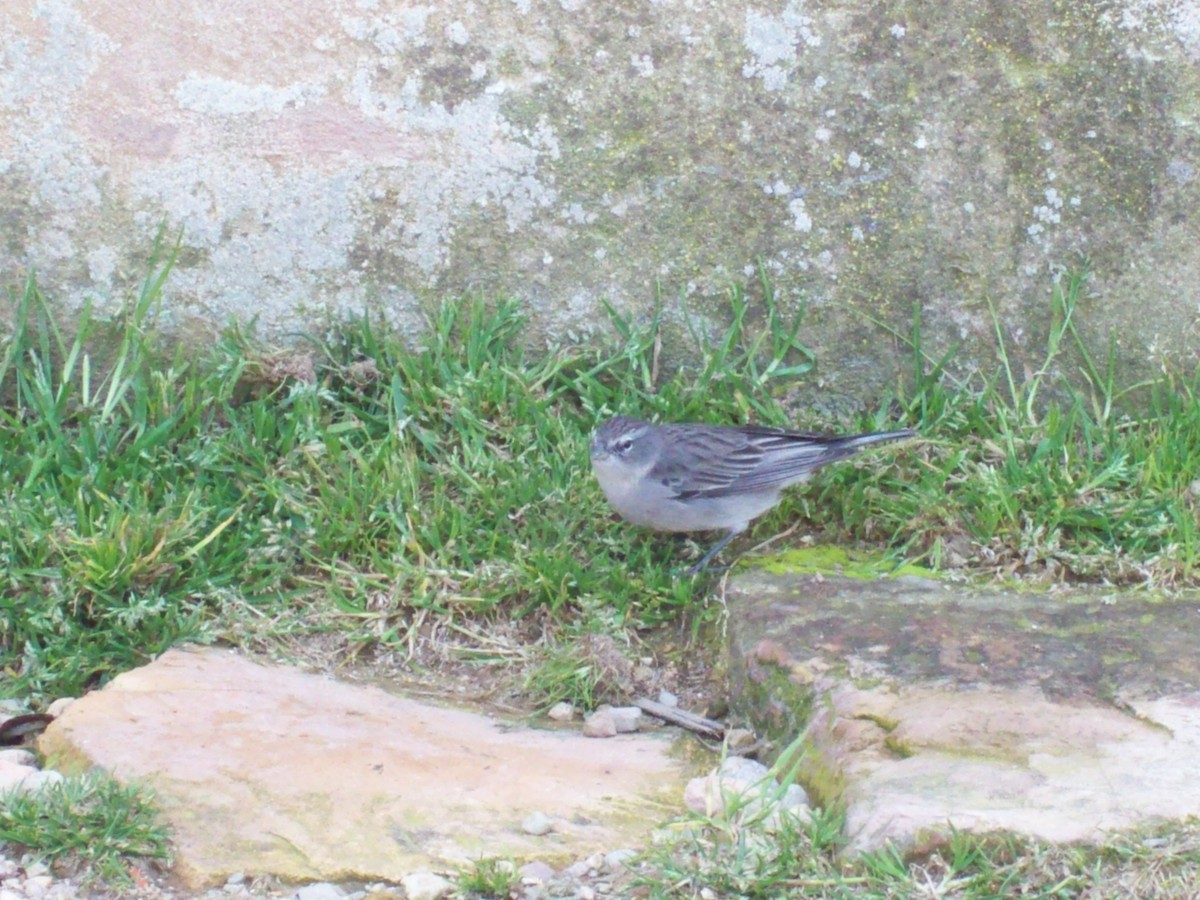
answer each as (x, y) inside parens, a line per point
(323, 157)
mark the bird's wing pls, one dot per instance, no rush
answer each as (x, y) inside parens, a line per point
(720, 461)
(710, 462)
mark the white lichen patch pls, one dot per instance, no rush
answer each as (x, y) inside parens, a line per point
(102, 265)
(642, 64)
(472, 157)
(390, 32)
(773, 41)
(801, 220)
(267, 233)
(221, 96)
(1185, 22)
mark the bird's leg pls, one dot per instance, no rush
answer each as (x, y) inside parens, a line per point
(698, 567)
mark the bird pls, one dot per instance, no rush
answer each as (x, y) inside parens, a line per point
(682, 477)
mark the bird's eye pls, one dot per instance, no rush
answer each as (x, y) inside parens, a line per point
(624, 445)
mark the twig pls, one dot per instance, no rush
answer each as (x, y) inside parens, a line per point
(680, 717)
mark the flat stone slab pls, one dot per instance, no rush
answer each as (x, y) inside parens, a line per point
(1057, 715)
(267, 770)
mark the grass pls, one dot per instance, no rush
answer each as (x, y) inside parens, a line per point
(159, 498)
(1038, 470)
(153, 496)
(747, 849)
(727, 858)
(487, 878)
(358, 488)
(90, 821)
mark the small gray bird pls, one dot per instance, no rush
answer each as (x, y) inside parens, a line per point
(691, 477)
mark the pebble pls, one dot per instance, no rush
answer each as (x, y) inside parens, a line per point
(536, 872)
(59, 706)
(537, 824)
(321, 890)
(738, 741)
(751, 790)
(561, 712)
(600, 724)
(423, 885)
(666, 698)
(617, 860)
(626, 718)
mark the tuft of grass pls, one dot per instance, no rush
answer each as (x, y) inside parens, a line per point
(90, 820)
(701, 857)
(586, 670)
(488, 879)
(1039, 469)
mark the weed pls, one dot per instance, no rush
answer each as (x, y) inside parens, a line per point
(488, 879)
(89, 819)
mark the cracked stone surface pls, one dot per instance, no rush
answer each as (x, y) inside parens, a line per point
(1059, 715)
(268, 770)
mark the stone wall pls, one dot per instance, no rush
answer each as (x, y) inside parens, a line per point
(322, 157)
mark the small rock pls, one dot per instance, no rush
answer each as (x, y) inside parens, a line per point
(39, 779)
(626, 718)
(576, 870)
(537, 824)
(696, 796)
(600, 724)
(739, 741)
(616, 860)
(793, 798)
(18, 757)
(321, 890)
(585, 892)
(34, 869)
(13, 775)
(423, 885)
(746, 784)
(744, 772)
(666, 698)
(561, 712)
(536, 872)
(59, 706)
(235, 878)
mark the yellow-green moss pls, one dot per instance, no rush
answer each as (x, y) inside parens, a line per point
(827, 559)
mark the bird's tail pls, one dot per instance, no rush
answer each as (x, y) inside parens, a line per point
(857, 441)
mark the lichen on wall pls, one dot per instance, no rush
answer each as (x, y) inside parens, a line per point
(328, 157)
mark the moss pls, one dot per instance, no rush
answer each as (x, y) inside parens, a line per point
(827, 559)
(897, 747)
